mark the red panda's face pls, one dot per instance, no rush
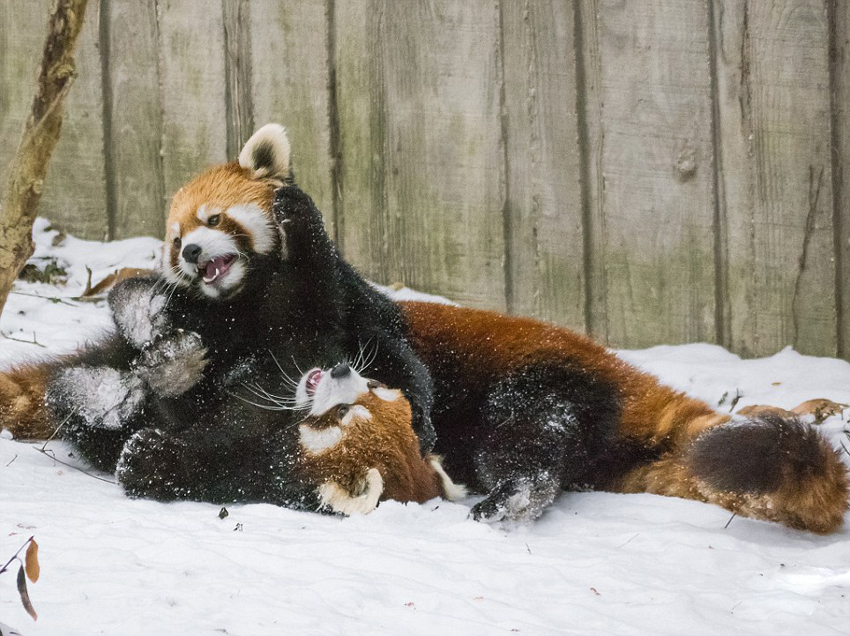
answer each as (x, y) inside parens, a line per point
(222, 220)
(325, 390)
(340, 400)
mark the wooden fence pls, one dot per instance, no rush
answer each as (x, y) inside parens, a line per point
(650, 171)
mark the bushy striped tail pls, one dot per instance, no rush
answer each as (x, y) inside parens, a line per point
(771, 467)
(22, 408)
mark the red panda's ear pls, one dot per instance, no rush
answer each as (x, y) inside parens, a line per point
(266, 154)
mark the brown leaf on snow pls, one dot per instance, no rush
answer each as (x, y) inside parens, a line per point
(33, 569)
(821, 408)
(754, 410)
(25, 597)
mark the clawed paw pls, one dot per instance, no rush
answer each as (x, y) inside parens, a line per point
(291, 203)
(516, 501)
(173, 363)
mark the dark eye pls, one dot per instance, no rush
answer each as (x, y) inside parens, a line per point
(341, 410)
(176, 241)
(214, 220)
(374, 384)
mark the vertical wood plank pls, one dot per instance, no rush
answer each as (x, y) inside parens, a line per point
(444, 182)
(773, 80)
(237, 63)
(192, 82)
(590, 135)
(23, 28)
(75, 189)
(291, 86)
(135, 120)
(544, 200)
(358, 28)
(839, 17)
(658, 171)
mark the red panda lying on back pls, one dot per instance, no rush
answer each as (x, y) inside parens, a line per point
(358, 444)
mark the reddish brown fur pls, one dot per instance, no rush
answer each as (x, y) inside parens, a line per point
(485, 344)
(220, 187)
(22, 408)
(385, 442)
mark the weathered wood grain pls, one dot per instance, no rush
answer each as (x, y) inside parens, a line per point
(358, 28)
(433, 112)
(774, 118)
(75, 188)
(23, 27)
(290, 70)
(134, 120)
(192, 82)
(238, 29)
(839, 15)
(545, 241)
(591, 136)
(657, 171)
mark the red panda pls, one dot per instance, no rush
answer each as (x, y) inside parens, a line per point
(358, 444)
(661, 441)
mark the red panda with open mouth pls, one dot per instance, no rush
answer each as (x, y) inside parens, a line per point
(223, 218)
(358, 444)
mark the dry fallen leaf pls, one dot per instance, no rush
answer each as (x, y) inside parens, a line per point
(821, 408)
(754, 410)
(31, 559)
(25, 597)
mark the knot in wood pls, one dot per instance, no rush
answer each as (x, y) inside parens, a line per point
(686, 164)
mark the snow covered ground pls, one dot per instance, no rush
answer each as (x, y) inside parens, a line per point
(597, 563)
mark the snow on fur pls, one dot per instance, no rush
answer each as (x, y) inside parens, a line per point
(595, 562)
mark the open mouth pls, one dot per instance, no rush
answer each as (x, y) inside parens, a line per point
(313, 379)
(216, 268)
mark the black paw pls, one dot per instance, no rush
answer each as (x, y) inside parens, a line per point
(172, 364)
(495, 507)
(520, 500)
(149, 465)
(293, 204)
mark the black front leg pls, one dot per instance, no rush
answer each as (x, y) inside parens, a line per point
(396, 365)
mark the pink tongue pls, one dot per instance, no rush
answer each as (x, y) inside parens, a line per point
(220, 263)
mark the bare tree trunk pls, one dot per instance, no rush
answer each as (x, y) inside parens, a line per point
(29, 166)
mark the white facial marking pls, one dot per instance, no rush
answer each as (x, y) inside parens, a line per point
(205, 212)
(331, 392)
(357, 411)
(340, 500)
(387, 395)
(318, 440)
(256, 223)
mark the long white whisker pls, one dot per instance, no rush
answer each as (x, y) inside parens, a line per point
(292, 383)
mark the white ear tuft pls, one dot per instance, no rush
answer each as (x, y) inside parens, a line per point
(267, 153)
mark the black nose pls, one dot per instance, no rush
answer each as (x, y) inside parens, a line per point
(192, 252)
(340, 371)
